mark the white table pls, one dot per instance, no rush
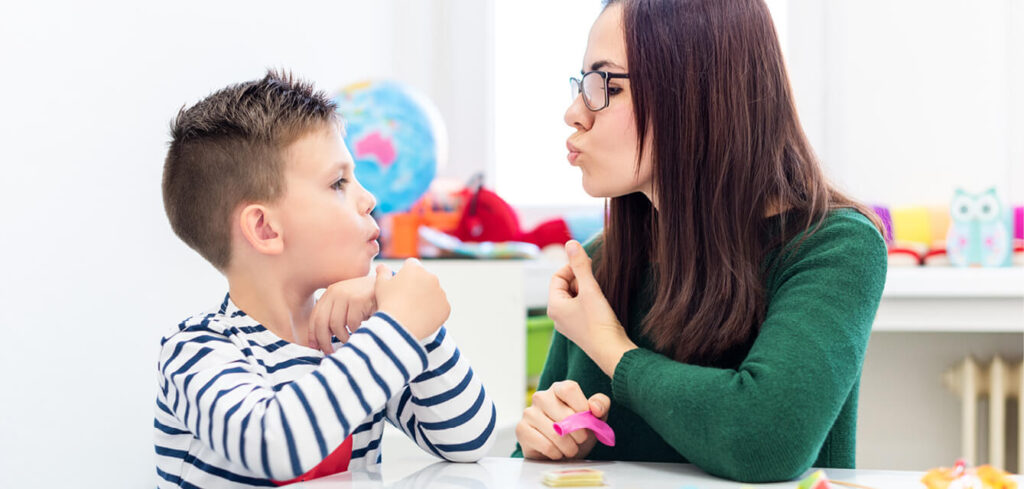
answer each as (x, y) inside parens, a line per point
(489, 299)
(499, 473)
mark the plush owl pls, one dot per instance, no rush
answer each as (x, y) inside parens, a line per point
(979, 232)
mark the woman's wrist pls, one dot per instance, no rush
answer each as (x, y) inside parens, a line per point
(607, 347)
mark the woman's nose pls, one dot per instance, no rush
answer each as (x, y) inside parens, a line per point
(577, 116)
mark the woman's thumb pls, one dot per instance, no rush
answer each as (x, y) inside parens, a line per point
(599, 405)
(578, 260)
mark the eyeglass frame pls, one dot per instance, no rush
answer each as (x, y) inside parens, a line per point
(605, 75)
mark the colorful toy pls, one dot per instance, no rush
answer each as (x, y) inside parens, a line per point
(816, 480)
(487, 249)
(886, 217)
(487, 217)
(1018, 222)
(962, 477)
(586, 419)
(980, 233)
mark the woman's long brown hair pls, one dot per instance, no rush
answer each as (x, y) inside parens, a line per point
(711, 93)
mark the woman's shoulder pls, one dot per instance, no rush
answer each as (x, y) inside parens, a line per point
(848, 226)
(844, 232)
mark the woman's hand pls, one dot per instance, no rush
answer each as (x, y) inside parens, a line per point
(536, 432)
(582, 313)
(343, 308)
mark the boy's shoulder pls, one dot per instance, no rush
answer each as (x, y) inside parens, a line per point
(214, 321)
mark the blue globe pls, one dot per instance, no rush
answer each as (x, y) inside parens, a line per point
(396, 138)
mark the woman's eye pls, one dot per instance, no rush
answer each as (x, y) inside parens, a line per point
(614, 90)
(340, 184)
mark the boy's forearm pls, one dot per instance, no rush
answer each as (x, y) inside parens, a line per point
(450, 412)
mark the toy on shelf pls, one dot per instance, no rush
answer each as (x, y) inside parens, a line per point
(973, 231)
(472, 221)
(1018, 235)
(486, 249)
(981, 233)
(488, 217)
(914, 235)
(962, 477)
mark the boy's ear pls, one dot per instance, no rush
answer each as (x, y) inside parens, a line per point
(260, 230)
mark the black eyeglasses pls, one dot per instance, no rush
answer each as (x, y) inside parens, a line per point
(594, 87)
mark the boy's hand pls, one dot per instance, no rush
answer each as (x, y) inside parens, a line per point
(413, 297)
(343, 307)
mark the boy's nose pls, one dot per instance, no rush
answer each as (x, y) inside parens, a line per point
(371, 202)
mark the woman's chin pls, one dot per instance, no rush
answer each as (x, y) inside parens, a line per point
(598, 191)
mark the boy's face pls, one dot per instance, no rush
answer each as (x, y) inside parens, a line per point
(325, 219)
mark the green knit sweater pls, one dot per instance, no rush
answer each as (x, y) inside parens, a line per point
(790, 404)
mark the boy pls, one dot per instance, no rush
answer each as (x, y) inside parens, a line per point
(259, 182)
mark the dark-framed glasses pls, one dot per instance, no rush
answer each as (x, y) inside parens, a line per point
(594, 87)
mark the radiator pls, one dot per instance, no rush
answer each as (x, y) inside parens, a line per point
(999, 381)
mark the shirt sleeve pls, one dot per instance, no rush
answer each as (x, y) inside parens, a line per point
(446, 409)
(767, 419)
(280, 432)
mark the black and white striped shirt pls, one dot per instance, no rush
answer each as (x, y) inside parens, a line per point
(238, 406)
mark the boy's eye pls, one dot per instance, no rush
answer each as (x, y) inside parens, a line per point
(339, 184)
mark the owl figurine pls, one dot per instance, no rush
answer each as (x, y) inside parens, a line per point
(979, 231)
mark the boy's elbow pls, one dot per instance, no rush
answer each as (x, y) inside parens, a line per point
(464, 457)
(470, 451)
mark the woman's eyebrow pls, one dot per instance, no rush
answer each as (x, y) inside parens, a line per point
(597, 65)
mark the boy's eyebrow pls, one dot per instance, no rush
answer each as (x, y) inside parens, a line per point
(597, 65)
(341, 166)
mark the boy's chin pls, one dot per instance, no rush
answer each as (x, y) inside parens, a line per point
(349, 273)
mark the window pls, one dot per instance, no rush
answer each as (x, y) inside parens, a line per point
(538, 45)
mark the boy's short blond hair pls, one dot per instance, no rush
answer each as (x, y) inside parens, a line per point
(228, 149)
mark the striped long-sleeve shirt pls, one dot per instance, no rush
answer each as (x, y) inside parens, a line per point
(238, 406)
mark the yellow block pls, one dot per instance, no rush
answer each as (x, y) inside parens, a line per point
(573, 478)
(912, 224)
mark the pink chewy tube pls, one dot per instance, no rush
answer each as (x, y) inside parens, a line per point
(587, 420)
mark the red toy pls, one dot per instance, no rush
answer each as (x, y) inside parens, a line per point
(488, 217)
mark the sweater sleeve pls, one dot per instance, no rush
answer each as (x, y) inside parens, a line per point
(280, 432)
(767, 419)
(445, 409)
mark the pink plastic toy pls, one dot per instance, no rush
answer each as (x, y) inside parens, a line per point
(586, 419)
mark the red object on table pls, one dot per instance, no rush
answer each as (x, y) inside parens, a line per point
(335, 463)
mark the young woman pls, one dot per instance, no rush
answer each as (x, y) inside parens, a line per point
(724, 318)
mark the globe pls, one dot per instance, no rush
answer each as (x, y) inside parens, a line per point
(397, 139)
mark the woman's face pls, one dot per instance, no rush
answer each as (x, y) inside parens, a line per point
(604, 145)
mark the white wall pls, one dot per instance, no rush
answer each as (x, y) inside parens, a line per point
(907, 100)
(90, 272)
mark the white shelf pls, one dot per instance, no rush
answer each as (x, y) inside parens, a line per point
(952, 300)
(953, 282)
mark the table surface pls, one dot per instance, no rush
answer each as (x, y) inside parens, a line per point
(500, 473)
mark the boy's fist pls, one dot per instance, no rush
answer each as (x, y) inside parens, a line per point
(413, 297)
(343, 307)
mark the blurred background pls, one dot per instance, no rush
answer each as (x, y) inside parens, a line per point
(905, 101)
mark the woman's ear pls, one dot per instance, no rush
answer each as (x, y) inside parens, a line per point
(260, 230)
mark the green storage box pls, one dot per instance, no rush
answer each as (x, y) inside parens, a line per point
(538, 340)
